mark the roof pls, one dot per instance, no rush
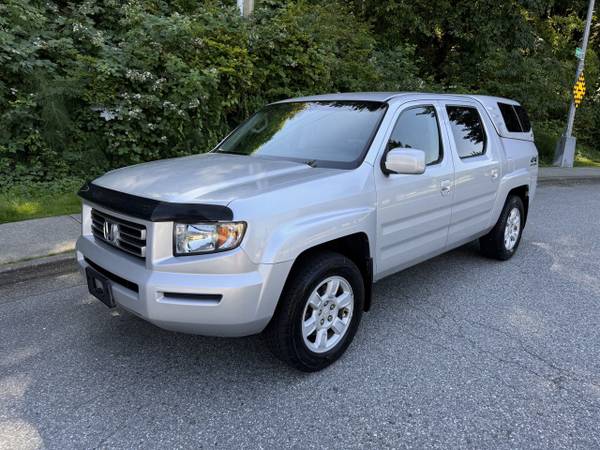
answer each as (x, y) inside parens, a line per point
(386, 96)
(356, 96)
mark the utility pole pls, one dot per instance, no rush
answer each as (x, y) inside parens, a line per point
(246, 7)
(565, 148)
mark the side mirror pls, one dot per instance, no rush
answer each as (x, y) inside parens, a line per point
(405, 161)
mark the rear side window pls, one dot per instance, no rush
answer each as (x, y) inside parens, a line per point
(468, 131)
(515, 117)
(510, 117)
(523, 118)
(418, 128)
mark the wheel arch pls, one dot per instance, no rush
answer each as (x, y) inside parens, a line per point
(517, 183)
(523, 193)
(353, 246)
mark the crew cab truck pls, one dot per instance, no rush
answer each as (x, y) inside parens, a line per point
(286, 224)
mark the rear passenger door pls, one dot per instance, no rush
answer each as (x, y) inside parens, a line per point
(477, 167)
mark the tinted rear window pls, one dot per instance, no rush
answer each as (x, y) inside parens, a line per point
(524, 118)
(515, 117)
(510, 118)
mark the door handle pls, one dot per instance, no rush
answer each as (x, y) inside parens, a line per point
(494, 174)
(445, 187)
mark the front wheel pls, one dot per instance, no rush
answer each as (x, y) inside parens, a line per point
(502, 242)
(319, 312)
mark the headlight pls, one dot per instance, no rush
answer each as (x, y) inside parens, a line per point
(207, 237)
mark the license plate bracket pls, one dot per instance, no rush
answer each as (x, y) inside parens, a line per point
(100, 287)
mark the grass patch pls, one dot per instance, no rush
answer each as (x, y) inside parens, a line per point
(546, 137)
(587, 157)
(584, 157)
(32, 201)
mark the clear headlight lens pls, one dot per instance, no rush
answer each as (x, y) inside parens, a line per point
(207, 237)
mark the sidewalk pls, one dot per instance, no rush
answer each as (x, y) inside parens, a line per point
(37, 238)
(27, 241)
(548, 174)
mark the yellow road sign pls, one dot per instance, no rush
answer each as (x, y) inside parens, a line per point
(579, 90)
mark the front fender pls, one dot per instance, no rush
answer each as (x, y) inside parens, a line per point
(284, 222)
(289, 240)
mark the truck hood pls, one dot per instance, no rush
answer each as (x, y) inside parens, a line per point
(209, 178)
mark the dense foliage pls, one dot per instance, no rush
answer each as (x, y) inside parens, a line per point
(87, 86)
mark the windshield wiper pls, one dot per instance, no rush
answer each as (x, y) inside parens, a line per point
(311, 163)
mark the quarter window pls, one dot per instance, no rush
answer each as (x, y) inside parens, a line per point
(418, 128)
(468, 131)
(510, 118)
(515, 117)
(523, 118)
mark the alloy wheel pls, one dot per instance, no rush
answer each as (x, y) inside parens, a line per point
(512, 229)
(327, 314)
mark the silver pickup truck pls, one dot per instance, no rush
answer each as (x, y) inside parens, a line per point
(284, 227)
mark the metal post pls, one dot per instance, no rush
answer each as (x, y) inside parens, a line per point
(246, 7)
(565, 148)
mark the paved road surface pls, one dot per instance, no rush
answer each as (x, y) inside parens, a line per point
(457, 352)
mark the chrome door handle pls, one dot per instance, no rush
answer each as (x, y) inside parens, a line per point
(446, 186)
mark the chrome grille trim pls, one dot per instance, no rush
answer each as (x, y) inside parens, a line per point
(130, 238)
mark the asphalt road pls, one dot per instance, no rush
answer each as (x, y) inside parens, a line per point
(457, 352)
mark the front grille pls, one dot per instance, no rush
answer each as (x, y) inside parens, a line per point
(122, 234)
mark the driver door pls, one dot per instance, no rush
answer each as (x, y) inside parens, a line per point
(414, 211)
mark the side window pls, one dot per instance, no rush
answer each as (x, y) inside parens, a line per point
(468, 130)
(418, 128)
(523, 118)
(515, 117)
(510, 117)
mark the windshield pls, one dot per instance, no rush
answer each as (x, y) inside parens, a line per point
(324, 134)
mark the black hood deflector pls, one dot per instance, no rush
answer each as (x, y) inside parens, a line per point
(153, 210)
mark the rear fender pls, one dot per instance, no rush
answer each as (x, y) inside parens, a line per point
(509, 182)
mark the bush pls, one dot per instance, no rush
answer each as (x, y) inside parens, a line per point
(547, 135)
(98, 85)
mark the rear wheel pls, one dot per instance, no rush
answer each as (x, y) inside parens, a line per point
(319, 312)
(503, 240)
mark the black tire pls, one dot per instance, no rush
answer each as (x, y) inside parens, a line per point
(284, 332)
(492, 244)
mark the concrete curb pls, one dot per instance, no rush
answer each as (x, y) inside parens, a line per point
(39, 267)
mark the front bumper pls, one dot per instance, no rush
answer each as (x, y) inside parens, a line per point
(213, 304)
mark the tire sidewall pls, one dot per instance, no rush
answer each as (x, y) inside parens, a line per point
(319, 360)
(513, 202)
